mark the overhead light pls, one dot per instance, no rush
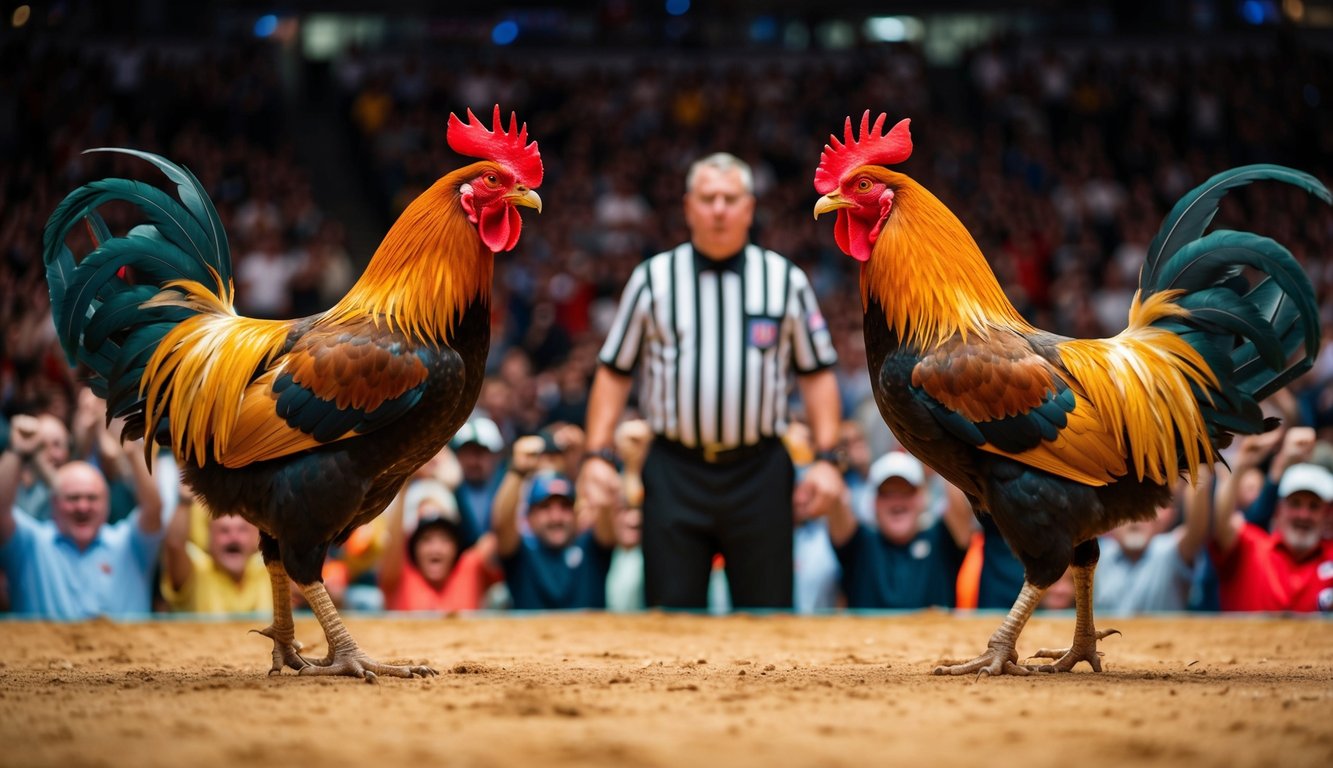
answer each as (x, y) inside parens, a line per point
(893, 29)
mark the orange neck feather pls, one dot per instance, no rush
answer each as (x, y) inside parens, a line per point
(929, 274)
(430, 267)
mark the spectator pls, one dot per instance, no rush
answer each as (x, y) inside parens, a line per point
(901, 565)
(227, 575)
(429, 569)
(75, 565)
(477, 446)
(1257, 466)
(717, 479)
(1148, 565)
(1290, 569)
(38, 475)
(557, 565)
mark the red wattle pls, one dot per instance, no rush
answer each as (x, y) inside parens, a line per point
(499, 227)
(851, 236)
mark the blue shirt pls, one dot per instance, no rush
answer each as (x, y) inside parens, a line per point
(51, 578)
(876, 573)
(546, 579)
(1158, 581)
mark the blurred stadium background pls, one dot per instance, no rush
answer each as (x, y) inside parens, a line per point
(1059, 132)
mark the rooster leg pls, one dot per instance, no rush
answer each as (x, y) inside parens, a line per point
(1001, 657)
(1085, 634)
(286, 648)
(345, 656)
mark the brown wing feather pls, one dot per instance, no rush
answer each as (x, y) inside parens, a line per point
(986, 379)
(356, 365)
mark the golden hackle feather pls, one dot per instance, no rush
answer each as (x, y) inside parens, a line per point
(429, 267)
(932, 278)
(1133, 393)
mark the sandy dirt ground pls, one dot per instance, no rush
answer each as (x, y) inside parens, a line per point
(668, 690)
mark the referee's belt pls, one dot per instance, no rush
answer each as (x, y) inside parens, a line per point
(716, 453)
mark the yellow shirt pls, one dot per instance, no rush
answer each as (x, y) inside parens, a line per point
(212, 590)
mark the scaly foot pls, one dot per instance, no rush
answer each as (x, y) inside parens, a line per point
(358, 664)
(999, 659)
(286, 649)
(1083, 649)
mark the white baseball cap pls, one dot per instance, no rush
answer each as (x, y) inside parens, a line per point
(896, 464)
(1306, 477)
(483, 432)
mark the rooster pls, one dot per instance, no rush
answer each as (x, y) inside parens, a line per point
(306, 428)
(1059, 439)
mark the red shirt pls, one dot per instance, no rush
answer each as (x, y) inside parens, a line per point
(462, 591)
(1260, 574)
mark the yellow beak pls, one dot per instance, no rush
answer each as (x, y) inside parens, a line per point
(831, 202)
(525, 197)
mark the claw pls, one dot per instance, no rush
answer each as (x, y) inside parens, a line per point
(1083, 649)
(997, 660)
(360, 665)
(286, 651)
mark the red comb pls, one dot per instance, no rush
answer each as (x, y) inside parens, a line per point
(505, 147)
(872, 146)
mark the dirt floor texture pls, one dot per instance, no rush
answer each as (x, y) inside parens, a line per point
(667, 690)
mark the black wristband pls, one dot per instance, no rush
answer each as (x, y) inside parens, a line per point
(834, 457)
(605, 454)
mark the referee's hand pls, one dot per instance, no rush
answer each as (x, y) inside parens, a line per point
(598, 486)
(820, 489)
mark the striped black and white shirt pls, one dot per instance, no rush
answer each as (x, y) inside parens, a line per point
(720, 343)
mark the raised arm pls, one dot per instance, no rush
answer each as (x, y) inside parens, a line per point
(145, 488)
(175, 560)
(24, 441)
(1226, 519)
(394, 557)
(504, 512)
(842, 521)
(958, 516)
(1197, 506)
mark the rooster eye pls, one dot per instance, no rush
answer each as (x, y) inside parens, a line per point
(863, 185)
(490, 179)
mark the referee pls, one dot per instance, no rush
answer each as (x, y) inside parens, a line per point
(719, 328)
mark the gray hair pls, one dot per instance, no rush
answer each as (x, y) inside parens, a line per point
(723, 162)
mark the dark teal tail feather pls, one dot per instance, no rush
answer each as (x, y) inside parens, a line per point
(98, 314)
(1255, 336)
(1195, 211)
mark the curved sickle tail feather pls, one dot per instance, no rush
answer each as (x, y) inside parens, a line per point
(1256, 333)
(101, 304)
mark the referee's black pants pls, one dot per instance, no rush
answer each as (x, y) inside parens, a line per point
(741, 508)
